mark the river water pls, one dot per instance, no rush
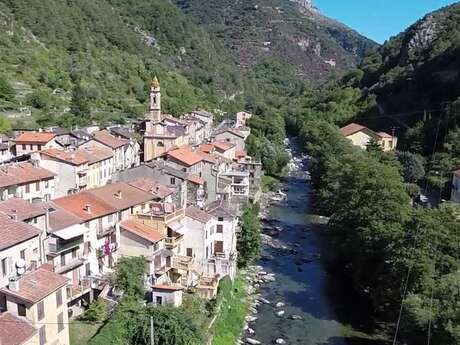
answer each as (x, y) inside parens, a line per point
(327, 311)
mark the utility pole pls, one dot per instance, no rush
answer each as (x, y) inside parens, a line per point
(152, 340)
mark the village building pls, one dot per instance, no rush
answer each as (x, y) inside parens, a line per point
(361, 136)
(241, 119)
(27, 181)
(100, 220)
(6, 148)
(100, 166)
(455, 192)
(125, 152)
(40, 297)
(24, 211)
(185, 159)
(67, 248)
(233, 136)
(29, 142)
(207, 120)
(70, 166)
(20, 248)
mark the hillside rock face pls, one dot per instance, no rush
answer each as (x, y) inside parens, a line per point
(420, 67)
(289, 30)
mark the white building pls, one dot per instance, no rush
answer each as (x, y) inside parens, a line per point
(27, 181)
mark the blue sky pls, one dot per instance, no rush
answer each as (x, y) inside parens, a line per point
(378, 19)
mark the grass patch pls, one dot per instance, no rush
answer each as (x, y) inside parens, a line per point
(82, 332)
(232, 302)
(269, 184)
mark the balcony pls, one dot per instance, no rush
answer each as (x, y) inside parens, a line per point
(61, 245)
(76, 290)
(104, 231)
(71, 265)
(183, 263)
(173, 241)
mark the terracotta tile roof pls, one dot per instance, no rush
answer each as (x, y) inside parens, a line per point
(36, 285)
(34, 137)
(153, 187)
(176, 120)
(203, 113)
(95, 154)
(231, 131)
(351, 128)
(207, 148)
(109, 140)
(75, 157)
(14, 232)
(77, 204)
(223, 145)
(185, 155)
(384, 135)
(142, 230)
(121, 195)
(22, 173)
(59, 218)
(15, 330)
(207, 157)
(195, 179)
(22, 209)
(197, 214)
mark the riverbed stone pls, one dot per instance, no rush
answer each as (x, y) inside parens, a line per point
(280, 341)
(279, 304)
(280, 313)
(252, 341)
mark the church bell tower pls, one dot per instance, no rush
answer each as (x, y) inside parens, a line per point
(155, 101)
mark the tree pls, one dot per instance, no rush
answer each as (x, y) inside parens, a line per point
(249, 241)
(7, 93)
(39, 99)
(412, 164)
(373, 146)
(97, 311)
(5, 124)
(129, 276)
(80, 104)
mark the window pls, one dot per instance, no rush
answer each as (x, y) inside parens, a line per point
(87, 225)
(159, 300)
(24, 147)
(110, 218)
(4, 267)
(74, 253)
(58, 297)
(60, 321)
(62, 260)
(220, 219)
(42, 335)
(21, 309)
(184, 169)
(218, 247)
(39, 147)
(37, 186)
(173, 180)
(220, 228)
(27, 188)
(22, 254)
(40, 310)
(190, 252)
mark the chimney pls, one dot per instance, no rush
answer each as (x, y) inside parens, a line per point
(118, 194)
(14, 215)
(13, 284)
(87, 208)
(47, 219)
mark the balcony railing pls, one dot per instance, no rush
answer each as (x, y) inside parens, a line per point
(173, 242)
(104, 231)
(61, 246)
(70, 265)
(182, 262)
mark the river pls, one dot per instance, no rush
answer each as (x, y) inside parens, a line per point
(325, 309)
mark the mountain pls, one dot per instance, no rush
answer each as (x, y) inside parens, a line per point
(419, 68)
(292, 31)
(106, 51)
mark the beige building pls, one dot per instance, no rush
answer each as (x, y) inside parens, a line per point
(29, 142)
(361, 136)
(40, 297)
(233, 136)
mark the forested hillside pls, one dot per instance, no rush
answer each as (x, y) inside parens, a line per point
(104, 53)
(255, 30)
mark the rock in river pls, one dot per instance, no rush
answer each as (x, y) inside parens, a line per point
(252, 341)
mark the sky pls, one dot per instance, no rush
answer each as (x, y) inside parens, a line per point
(379, 19)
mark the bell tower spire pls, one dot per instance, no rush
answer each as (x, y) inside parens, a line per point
(155, 101)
